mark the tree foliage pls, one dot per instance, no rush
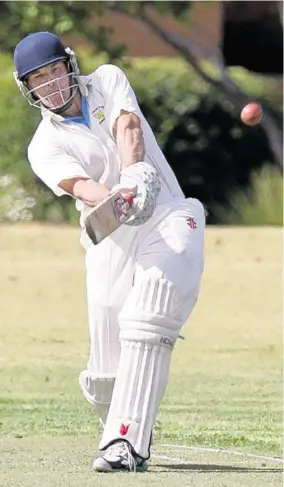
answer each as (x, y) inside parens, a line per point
(18, 19)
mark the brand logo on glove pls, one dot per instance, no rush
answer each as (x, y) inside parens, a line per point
(120, 208)
(124, 429)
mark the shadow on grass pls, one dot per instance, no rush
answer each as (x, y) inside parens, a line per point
(214, 468)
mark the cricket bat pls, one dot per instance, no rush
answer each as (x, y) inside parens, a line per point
(107, 216)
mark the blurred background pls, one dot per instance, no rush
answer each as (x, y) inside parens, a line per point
(194, 66)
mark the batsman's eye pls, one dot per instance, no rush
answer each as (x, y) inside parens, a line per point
(56, 68)
(37, 77)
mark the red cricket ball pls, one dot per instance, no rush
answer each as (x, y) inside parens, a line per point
(251, 114)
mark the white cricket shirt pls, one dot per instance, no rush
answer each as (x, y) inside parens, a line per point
(62, 149)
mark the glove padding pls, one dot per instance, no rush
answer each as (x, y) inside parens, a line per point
(144, 180)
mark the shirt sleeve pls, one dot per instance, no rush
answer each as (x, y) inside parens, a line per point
(52, 165)
(117, 93)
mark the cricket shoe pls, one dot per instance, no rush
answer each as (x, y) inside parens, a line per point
(119, 456)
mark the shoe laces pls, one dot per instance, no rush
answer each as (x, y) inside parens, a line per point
(124, 450)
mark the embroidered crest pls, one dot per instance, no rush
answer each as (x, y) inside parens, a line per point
(99, 114)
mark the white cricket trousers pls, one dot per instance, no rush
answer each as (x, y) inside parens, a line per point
(169, 246)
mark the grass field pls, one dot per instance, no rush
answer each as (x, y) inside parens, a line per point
(225, 389)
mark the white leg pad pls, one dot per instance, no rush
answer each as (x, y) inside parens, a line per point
(97, 389)
(150, 322)
(139, 388)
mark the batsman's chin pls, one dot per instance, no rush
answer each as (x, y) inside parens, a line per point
(54, 101)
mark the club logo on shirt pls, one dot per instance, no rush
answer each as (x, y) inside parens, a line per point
(99, 114)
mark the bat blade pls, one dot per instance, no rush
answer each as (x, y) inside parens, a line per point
(106, 217)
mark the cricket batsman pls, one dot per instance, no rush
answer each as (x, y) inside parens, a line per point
(143, 278)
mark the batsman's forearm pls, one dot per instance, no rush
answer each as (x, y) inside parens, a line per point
(130, 143)
(87, 190)
(72, 185)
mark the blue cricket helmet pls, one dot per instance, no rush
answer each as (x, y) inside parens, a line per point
(37, 50)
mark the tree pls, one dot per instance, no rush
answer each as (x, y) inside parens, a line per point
(18, 19)
(222, 82)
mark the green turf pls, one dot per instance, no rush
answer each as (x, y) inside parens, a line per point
(225, 388)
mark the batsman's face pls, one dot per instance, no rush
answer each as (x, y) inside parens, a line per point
(51, 84)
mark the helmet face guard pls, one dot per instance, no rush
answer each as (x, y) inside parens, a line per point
(63, 91)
